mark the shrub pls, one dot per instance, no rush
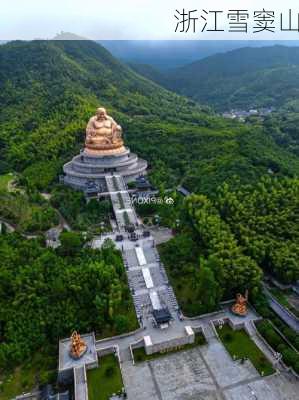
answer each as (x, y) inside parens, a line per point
(263, 327)
(131, 185)
(71, 243)
(200, 339)
(273, 338)
(296, 367)
(109, 371)
(289, 333)
(121, 323)
(290, 357)
(263, 361)
(281, 348)
(228, 337)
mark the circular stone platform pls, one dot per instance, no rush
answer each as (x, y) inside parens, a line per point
(85, 168)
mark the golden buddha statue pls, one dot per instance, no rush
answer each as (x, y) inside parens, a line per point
(240, 306)
(103, 135)
(78, 346)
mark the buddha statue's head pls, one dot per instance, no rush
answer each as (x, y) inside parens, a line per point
(101, 113)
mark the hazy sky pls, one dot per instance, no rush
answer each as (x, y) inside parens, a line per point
(128, 19)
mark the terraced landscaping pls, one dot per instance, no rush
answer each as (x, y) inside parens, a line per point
(241, 347)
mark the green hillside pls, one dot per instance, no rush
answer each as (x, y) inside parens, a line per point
(50, 89)
(243, 78)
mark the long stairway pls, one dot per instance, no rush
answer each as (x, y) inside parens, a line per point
(209, 332)
(252, 331)
(123, 210)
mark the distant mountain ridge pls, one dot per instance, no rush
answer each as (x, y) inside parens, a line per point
(166, 54)
(243, 78)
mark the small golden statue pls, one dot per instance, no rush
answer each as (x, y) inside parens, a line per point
(78, 346)
(240, 306)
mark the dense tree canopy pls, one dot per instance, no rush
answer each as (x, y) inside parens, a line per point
(233, 270)
(45, 294)
(79, 214)
(28, 212)
(264, 219)
(224, 244)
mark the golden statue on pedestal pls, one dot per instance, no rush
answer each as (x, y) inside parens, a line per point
(103, 135)
(240, 306)
(78, 346)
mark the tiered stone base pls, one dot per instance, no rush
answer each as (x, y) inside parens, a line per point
(85, 168)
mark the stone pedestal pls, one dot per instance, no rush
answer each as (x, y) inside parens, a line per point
(85, 169)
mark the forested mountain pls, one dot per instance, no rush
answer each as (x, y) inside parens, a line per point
(284, 128)
(149, 72)
(243, 78)
(50, 89)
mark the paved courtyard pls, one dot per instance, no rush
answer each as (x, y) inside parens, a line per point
(203, 373)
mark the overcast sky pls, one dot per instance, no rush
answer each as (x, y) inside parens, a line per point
(129, 19)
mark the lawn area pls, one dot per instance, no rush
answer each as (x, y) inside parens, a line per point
(104, 381)
(40, 370)
(140, 355)
(4, 180)
(240, 346)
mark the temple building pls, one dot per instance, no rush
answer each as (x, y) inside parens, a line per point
(104, 155)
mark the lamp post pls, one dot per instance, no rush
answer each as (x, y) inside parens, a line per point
(278, 357)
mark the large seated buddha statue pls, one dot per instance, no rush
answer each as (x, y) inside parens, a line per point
(103, 135)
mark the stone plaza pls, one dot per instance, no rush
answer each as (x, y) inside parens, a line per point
(204, 373)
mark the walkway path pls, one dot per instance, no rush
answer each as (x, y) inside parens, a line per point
(80, 383)
(252, 331)
(289, 318)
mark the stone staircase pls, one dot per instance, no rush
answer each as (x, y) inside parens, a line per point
(125, 355)
(209, 332)
(121, 202)
(261, 344)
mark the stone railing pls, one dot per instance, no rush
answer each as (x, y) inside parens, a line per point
(114, 338)
(28, 396)
(135, 345)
